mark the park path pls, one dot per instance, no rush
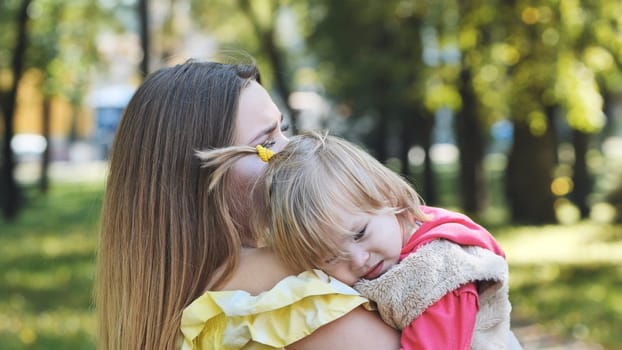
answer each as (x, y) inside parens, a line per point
(534, 337)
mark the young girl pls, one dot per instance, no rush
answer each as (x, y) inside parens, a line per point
(434, 274)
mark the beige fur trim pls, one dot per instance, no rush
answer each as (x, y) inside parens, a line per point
(435, 269)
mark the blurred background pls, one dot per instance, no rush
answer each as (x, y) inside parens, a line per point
(509, 111)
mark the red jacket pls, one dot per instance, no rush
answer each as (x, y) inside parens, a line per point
(449, 323)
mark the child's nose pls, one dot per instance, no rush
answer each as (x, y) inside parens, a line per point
(359, 257)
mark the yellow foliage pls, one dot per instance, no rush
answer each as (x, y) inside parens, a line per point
(468, 38)
(537, 123)
(598, 58)
(562, 185)
(505, 54)
(578, 92)
(530, 15)
(441, 95)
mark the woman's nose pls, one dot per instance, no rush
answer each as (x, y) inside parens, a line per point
(280, 142)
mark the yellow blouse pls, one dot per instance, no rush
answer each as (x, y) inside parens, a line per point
(291, 310)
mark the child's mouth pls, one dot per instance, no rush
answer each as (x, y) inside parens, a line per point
(375, 271)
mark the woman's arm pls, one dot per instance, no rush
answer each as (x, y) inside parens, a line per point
(358, 330)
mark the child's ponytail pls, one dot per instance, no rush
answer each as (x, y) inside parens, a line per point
(220, 160)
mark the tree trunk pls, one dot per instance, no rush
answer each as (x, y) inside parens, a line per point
(280, 76)
(45, 157)
(145, 37)
(11, 195)
(609, 109)
(529, 175)
(581, 177)
(73, 124)
(423, 136)
(267, 40)
(378, 139)
(471, 146)
(406, 142)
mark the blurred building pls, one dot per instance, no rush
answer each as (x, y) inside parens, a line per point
(108, 104)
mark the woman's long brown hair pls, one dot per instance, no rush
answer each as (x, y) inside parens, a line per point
(163, 236)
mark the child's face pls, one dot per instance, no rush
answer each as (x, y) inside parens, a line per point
(372, 251)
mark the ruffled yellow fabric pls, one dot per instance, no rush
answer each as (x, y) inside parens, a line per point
(294, 308)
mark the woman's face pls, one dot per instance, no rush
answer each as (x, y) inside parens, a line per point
(258, 122)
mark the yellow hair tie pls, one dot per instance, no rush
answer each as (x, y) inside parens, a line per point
(264, 153)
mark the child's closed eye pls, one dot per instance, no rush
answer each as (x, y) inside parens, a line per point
(359, 235)
(331, 261)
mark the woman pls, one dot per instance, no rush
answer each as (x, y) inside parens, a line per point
(166, 240)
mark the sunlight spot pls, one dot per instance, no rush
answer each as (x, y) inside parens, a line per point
(506, 54)
(545, 14)
(444, 153)
(561, 244)
(612, 147)
(550, 37)
(416, 156)
(566, 212)
(52, 247)
(530, 15)
(603, 213)
(489, 73)
(562, 185)
(598, 58)
(27, 335)
(28, 144)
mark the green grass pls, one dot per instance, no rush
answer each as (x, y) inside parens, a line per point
(566, 278)
(46, 270)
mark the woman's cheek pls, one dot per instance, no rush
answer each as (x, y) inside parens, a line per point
(246, 171)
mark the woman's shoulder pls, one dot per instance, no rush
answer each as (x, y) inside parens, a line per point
(258, 270)
(219, 317)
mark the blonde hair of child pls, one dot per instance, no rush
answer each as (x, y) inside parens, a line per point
(303, 187)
